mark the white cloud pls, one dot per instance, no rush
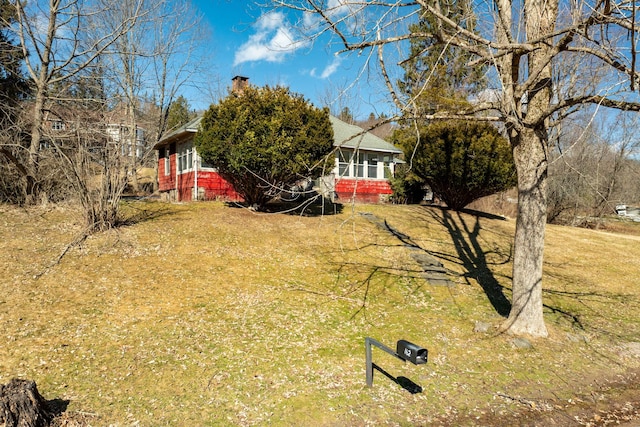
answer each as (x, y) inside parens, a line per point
(272, 42)
(329, 69)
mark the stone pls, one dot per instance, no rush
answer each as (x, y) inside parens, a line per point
(520, 342)
(481, 327)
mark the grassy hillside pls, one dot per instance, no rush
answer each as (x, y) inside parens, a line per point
(204, 314)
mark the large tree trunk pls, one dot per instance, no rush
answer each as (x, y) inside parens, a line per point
(530, 154)
(526, 308)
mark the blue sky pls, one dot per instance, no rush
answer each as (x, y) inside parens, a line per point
(264, 46)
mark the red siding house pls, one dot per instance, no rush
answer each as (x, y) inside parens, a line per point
(182, 175)
(363, 165)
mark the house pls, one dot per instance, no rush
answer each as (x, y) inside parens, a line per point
(64, 124)
(120, 135)
(182, 175)
(363, 165)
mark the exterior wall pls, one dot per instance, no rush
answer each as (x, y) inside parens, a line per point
(167, 182)
(212, 186)
(185, 186)
(362, 190)
(180, 187)
(349, 188)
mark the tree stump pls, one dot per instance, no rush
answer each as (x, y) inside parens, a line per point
(22, 406)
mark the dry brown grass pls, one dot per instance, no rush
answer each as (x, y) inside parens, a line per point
(203, 314)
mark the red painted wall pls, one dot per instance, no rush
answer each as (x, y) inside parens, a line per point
(167, 182)
(215, 187)
(366, 191)
(185, 186)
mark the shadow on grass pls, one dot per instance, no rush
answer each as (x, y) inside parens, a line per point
(57, 406)
(135, 212)
(374, 284)
(478, 259)
(403, 382)
(471, 255)
(465, 233)
(310, 207)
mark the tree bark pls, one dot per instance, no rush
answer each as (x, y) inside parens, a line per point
(22, 406)
(530, 153)
(526, 316)
(34, 147)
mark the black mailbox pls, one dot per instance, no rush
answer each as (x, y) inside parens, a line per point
(411, 352)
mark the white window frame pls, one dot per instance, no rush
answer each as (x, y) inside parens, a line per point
(57, 125)
(185, 157)
(167, 162)
(361, 165)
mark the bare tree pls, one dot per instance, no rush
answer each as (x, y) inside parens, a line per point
(160, 55)
(592, 169)
(522, 42)
(59, 39)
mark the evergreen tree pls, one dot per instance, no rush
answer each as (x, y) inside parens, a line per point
(460, 160)
(179, 113)
(346, 115)
(437, 74)
(455, 159)
(265, 140)
(12, 83)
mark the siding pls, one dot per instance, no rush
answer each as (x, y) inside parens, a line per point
(167, 182)
(365, 190)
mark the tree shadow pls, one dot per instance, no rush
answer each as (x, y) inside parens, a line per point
(308, 207)
(312, 207)
(473, 257)
(142, 211)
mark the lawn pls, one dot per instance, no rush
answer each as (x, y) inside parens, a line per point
(204, 314)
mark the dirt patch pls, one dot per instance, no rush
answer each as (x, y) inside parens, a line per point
(616, 401)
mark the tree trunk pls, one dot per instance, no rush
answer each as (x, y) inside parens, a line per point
(530, 154)
(22, 406)
(526, 308)
(32, 190)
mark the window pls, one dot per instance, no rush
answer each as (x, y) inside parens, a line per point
(360, 165)
(167, 162)
(205, 165)
(372, 165)
(57, 125)
(344, 159)
(364, 164)
(185, 157)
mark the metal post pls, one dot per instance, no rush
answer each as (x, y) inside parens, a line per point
(368, 342)
(367, 349)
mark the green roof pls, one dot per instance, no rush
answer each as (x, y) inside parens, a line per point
(189, 128)
(352, 136)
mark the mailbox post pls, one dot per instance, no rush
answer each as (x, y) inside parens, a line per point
(405, 351)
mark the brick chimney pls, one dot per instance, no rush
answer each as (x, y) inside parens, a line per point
(239, 83)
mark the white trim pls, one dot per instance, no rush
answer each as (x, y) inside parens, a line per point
(351, 168)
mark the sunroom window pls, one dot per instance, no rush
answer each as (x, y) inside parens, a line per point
(185, 157)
